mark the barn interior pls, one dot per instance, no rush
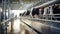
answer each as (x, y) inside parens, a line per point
(25, 17)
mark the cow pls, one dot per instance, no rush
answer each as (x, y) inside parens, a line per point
(35, 12)
(22, 14)
(27, 13)
(56, 10)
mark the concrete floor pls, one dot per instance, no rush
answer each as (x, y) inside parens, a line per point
(18, 28)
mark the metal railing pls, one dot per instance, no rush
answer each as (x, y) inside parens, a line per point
(52, 24)
(51, 16)
(48, 18)
(40, 19)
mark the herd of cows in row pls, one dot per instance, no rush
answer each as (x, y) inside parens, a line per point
(36, 12)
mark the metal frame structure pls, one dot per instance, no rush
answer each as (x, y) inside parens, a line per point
(5, 7)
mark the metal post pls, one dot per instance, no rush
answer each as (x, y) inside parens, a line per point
(4, 7)
(8, 8)
(0, 22)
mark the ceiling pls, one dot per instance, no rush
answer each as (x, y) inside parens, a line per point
(24, 4)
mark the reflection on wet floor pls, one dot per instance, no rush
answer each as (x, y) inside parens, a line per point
(9, 28)
(16, 27)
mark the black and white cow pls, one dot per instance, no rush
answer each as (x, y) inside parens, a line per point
(35, 12)
(56, 10)
(27, 13)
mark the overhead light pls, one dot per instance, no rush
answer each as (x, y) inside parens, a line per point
(0, 9)
(6, 9)
(20, 7)
(22, 3)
